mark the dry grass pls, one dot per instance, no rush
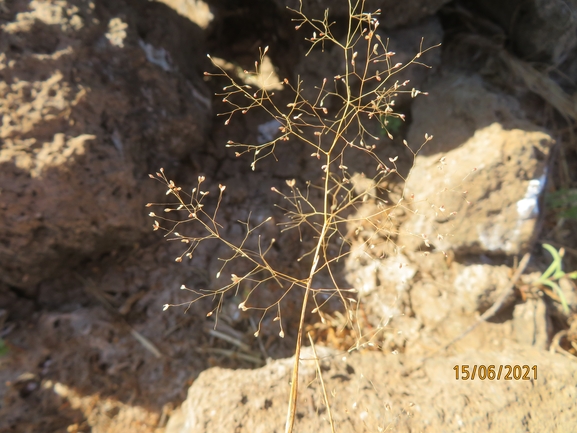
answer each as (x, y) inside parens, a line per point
(349, 114)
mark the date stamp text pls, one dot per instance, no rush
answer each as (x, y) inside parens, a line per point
(495, 372)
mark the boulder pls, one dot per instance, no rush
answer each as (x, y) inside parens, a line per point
(373, 392)
(475, 188)
(537, 30)
(90, 103)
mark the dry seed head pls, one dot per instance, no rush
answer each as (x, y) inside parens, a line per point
(151, 214)
(221, 187)
(165, 307)
(291, 183)
(281, 334)
(178, 259)
(151, 176)
(148, 204)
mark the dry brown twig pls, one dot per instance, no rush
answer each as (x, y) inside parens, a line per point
(350, 110)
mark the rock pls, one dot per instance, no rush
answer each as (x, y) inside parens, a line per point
(473, 288)
(475, 188)
(369, 392)
(88, 112)
(537, 30)
(393, 13)
(531, 324)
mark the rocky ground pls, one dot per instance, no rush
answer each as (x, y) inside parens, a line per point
(94, 96)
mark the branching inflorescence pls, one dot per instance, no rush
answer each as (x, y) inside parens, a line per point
(348, 114)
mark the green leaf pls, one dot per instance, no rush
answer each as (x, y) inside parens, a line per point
(554, 270)
(563, 201)
(561, 295)
(3, 348)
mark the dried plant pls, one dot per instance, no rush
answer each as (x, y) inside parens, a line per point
(350, 113)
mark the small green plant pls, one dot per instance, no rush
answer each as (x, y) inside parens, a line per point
(563, 202)
(390, 124)
(347, 116)
(554, 273)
